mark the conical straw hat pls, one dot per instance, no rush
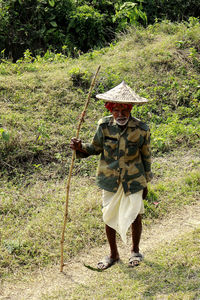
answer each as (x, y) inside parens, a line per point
(122, 93)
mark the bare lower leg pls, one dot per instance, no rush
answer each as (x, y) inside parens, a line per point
(136, 233)
(111, 236)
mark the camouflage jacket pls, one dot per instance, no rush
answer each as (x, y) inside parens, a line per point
(125, 155)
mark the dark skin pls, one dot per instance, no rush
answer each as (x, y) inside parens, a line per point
(122, 115)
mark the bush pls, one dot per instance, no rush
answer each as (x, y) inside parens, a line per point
(86, 29)
(35, 25)
(41, 25)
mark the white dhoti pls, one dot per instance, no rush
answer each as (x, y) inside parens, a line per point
(120, 211)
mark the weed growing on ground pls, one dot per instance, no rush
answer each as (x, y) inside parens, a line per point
(169, 272)
(53, 94)
(32, 213)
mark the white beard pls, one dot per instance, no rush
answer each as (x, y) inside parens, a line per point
(120, 122)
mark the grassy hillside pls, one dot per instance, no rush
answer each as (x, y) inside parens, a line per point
(41, 101)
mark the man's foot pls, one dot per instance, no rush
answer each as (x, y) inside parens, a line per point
(106, 263)
(135, 259)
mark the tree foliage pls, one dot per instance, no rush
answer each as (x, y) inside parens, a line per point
(77, 25)
(33, 24)
(177, 10)
(86, 28)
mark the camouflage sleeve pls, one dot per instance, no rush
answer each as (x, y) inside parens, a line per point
(146, 156)
(93, 148)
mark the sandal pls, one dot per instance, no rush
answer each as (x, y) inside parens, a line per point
(106, 263)
(135, 259)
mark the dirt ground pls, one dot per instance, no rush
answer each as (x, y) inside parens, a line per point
(49, 280)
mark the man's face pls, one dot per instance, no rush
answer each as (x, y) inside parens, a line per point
(121, 114)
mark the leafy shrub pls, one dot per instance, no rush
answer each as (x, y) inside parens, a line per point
(35, 25)
(85, 29)
(79, 78)
(129, 14)
(78, 25)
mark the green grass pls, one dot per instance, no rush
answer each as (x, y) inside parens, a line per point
(41, 100)
(32, 212)
(170, 272)
(33, 219)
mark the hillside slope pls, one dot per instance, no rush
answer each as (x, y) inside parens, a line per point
(41, 99)
(40, 102)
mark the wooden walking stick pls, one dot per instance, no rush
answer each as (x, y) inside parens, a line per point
(71, 167)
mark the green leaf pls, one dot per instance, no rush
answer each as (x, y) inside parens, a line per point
(129, 5)
(5, 136)
(51, 3)
(54, 24)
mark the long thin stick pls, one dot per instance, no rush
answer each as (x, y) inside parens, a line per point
(71, 167)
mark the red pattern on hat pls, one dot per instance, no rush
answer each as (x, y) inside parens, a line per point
(111, 105)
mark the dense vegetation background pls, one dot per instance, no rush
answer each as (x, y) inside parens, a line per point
(72, 27)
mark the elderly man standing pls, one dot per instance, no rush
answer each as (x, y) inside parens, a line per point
(124, 169)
